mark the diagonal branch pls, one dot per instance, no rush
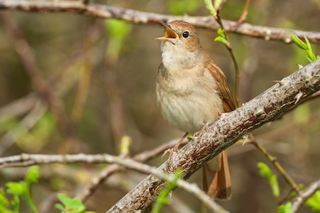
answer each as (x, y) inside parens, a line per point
(214, 138)
(278, 166)
(303, 196)
(138, 17)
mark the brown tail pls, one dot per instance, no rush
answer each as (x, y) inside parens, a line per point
(216, 178)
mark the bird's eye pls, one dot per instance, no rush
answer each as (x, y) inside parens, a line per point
(185, 34)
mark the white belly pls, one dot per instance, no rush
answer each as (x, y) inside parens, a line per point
(189, 109)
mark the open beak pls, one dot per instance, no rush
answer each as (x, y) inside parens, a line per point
(169, 34)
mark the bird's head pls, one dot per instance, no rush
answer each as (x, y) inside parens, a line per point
(179, 44)
(180, 34)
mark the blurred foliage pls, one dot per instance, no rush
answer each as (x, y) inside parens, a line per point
(70, 205)
(162, 199)
(125, 144)
(8, 124)
(272, 179)
(302, 114)
(181, 7)
(117, 31)
(37, 137)
(306, 46)
(285, 208)
(214, 6)
(314, 202)
(18, 191)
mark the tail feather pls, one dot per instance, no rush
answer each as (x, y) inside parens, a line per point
(216, 178)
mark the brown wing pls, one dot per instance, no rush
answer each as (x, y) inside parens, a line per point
(217, 182)
(224, 90)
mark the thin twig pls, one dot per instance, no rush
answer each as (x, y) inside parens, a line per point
(37, 159)
(234, 60)
(25, 124)
(243, 15)
(278, 167)
(304, 195)
(138, 17)
(99, 179)
(272, 159)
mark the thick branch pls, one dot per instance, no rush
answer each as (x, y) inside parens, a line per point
(216, 137)
(138, 17)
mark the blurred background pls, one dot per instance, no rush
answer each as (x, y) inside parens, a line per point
(98, 77)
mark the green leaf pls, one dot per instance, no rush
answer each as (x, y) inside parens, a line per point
(21, 190)
(5, 210)
(314, 202)
(65, 200)
(306, 46)
(299, 42)
(32, 175)
(274, 186)
(59, 206)
(17, 189)
(210, 7)
(70, 204)
(264, 170)
(221, 33)
(3, 200)
(162, 198)
(310, 56)
(285, 208)
(213, 8)
(222, 40)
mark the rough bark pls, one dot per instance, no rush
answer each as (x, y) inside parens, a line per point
(213, 138)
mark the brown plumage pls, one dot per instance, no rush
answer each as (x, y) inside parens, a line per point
(191, 91)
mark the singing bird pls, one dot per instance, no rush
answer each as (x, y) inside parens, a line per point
(191, 91)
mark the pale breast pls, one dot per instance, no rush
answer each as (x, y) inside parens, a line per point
(190, 101)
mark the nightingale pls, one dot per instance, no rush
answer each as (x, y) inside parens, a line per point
(192, 91)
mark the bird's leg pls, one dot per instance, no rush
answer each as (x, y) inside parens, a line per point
(177, 146)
